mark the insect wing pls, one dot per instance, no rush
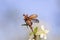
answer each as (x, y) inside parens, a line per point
(33, 16)
(35, 20)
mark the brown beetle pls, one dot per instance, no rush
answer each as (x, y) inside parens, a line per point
(30, 19)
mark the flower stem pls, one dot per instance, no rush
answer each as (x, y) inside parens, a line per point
(32, 31)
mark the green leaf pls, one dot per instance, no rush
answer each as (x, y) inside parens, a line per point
(31, 33)
(35, 30)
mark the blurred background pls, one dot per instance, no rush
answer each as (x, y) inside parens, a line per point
(48, 11)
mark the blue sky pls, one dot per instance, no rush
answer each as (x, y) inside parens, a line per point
(47, 11)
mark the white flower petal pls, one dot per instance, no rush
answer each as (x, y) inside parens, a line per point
(42, 27)
(46, 31)
(33, 39)
(42, 35)
(45, 37)
(29, 39)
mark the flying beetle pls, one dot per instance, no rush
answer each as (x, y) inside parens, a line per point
(29, 20)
